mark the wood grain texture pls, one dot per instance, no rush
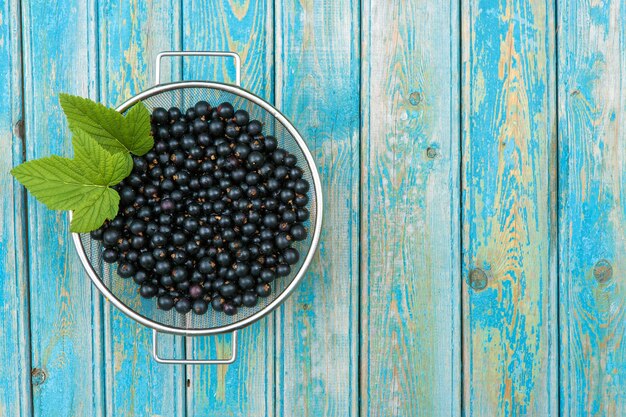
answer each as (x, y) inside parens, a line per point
(14, 330)
(130, 35)
(509, 227)
(410, 259)
(59, 56)
(244, 388)
(317, 78)
(592, 156)
(437, 148)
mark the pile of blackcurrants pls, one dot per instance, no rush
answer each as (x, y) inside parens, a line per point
(209, 215)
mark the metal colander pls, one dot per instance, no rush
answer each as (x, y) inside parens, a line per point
(123, 293)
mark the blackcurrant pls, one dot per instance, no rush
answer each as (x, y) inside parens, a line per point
(256, 159)
(178, 129)
(291, 256)
(249, 299)
(140, 276)
(183, 306)
(231, 130)
(216, 128)
(96, 234)
(290, 160)
(196, 291)
(160, 115)
(200, 126)
(174, 114)
(229, 309)
(205, 265)
(200, 306)
(246, 282)
(301, 200)
(146, 260)
(109, 255)
(298, 232)
(254, 127)
(242, 117)
(162, 267)
(202, 108)
(282, 241)
(217, 303)
(125, 269)
(226, 110)
(138, 242)
(111, 236)
(148, 290)
(165, 302)
(302, 214)
(263, 290)
(267, 275)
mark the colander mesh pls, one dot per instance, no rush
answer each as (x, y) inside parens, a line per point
(127, 291)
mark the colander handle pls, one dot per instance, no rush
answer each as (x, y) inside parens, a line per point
(232, 55)
(155, 354)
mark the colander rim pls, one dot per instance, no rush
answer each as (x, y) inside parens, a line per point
(233, 89)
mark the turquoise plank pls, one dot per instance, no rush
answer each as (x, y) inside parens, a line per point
(410, 255)
(592, 193)
(510, 342)
(317, 88)
(14, 333)
(244, 388)
(59, 56)
(130, 37)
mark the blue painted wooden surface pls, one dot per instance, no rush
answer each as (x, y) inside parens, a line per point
(316, 330)
(450, 137)
(410, 255)
(59, 54)
(592, 224)
(15, 371)
(508, 208)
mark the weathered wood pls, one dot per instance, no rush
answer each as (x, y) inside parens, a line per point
(130, 35)
(244, 388)
(384, 129)
(59, 56)
(15, 377)
(509, 208)
(317, 88)
(592, 192)
(410, 323)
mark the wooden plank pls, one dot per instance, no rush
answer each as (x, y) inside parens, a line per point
(244, 388)
(509, 215)
(126, 65)
(14, 330)
(592, 192)
(410, 341)
(59, 56)
(317, 78)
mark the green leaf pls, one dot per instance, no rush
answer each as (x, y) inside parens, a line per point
(137, 125)
(108, 127)
(98, 206)
(99, 166)
(103, 140)
(80, 184)
(57, 182)
(104, 124)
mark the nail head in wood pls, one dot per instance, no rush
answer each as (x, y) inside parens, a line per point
(603, 271)
(477, 279)
(415, 98)
(37, 376)
(432, 153)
